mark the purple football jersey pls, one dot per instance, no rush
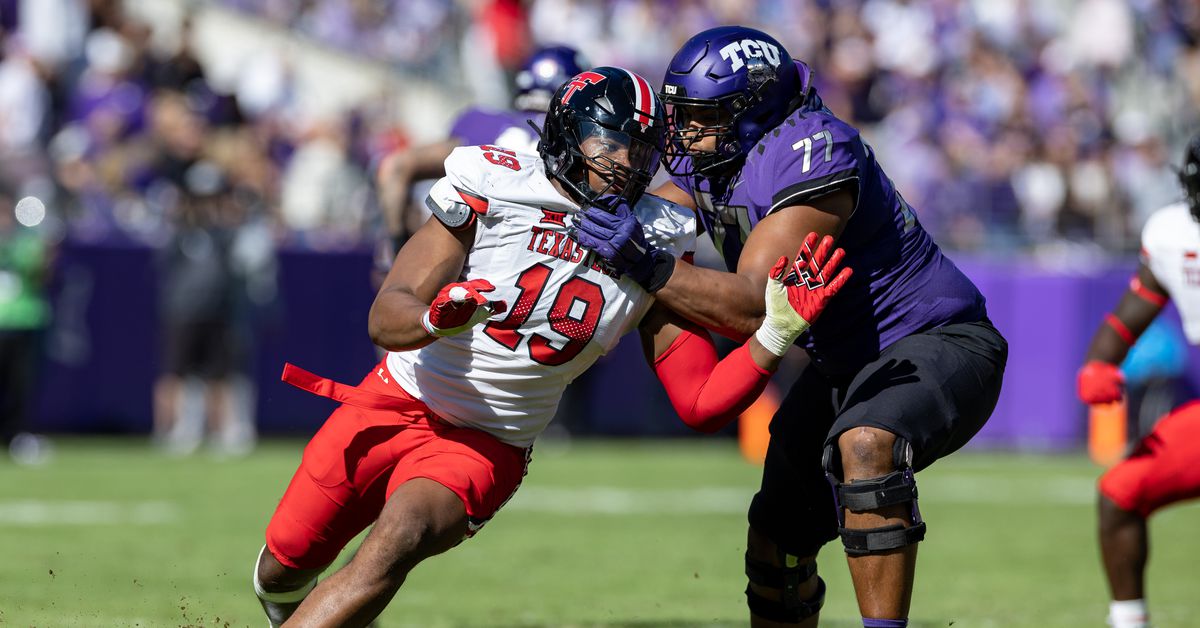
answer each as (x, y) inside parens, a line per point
(507, 129)
(902, 283)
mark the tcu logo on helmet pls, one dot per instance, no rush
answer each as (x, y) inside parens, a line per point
(749, 48)
(583, 80)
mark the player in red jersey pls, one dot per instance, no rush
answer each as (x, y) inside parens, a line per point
(1162, 469)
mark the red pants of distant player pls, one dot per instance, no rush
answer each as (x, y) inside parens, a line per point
(360, 455)
(1163, 469)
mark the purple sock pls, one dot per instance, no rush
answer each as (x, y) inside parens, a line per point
(884, 623)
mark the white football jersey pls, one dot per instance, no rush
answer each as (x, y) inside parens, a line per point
(1171, 248)
(565, 309)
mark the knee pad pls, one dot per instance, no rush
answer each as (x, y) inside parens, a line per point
(897, 487)
(789, 608)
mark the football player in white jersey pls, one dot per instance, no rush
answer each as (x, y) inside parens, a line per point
(488, 312)
(1162, 468)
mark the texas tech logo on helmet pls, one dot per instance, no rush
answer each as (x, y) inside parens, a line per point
(579, 82)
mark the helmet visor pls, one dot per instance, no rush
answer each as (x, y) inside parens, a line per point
(621, 163)
(603, 144)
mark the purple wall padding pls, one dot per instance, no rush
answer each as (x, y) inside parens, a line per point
(103, 348)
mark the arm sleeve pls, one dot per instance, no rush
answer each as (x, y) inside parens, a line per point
(708, 394)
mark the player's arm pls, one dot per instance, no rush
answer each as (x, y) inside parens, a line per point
(431, 260)
(399, 170)
(1100, 381)
(707, 393)
(731, 303)
(675, 194)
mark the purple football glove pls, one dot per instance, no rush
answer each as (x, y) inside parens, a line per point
(611, 230)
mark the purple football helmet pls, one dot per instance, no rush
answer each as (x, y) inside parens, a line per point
(733, 83)
(545, 70)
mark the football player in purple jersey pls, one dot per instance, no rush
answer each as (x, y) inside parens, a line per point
(545, 70)
(905, 366)
(437, 438)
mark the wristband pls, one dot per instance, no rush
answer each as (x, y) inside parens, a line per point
(659, 270)
(429, 328)
(775, 339)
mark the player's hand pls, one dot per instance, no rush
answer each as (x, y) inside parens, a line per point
(797, 293)
(459, 307)
(1100, 382)
(611, 230)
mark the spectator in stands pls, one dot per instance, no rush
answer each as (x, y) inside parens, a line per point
(201, 307)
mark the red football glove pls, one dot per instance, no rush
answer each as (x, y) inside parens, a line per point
(797, 293)
(1100, 382)
(459, 307)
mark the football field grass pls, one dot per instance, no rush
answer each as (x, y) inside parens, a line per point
(602, 533)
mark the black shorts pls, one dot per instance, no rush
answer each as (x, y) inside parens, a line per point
(204, 349)
(936, 389)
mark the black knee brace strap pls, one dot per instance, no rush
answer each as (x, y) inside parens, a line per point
(897, 487)
(876, 540)
(788, 612)
(787, 579)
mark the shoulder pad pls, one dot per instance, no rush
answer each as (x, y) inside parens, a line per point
(458, 197)
(1168, 228)
(806, 156)
(453, 206)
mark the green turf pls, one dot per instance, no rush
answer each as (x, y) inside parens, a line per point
(629, 533)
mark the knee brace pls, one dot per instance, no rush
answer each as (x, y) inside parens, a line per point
(897, 487)
(789, 608)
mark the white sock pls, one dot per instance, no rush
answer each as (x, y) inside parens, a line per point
(1128, 614)
(278, 604)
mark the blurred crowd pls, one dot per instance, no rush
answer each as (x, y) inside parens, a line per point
(1009, 124)
(1047, 127)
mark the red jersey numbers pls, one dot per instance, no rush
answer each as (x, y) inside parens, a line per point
(583, 80)
(501, 157)
(574, 313)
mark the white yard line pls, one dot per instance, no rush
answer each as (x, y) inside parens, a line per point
(614, 500)
(37, 512)
(959, 489)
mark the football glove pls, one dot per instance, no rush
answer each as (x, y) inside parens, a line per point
(459, 307)
(1100, 382)
(611, 230)
(797, 293)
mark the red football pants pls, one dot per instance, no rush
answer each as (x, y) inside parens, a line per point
(379, 438)
(1163, 469)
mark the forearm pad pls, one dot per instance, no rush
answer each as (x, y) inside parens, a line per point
(708, 394)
